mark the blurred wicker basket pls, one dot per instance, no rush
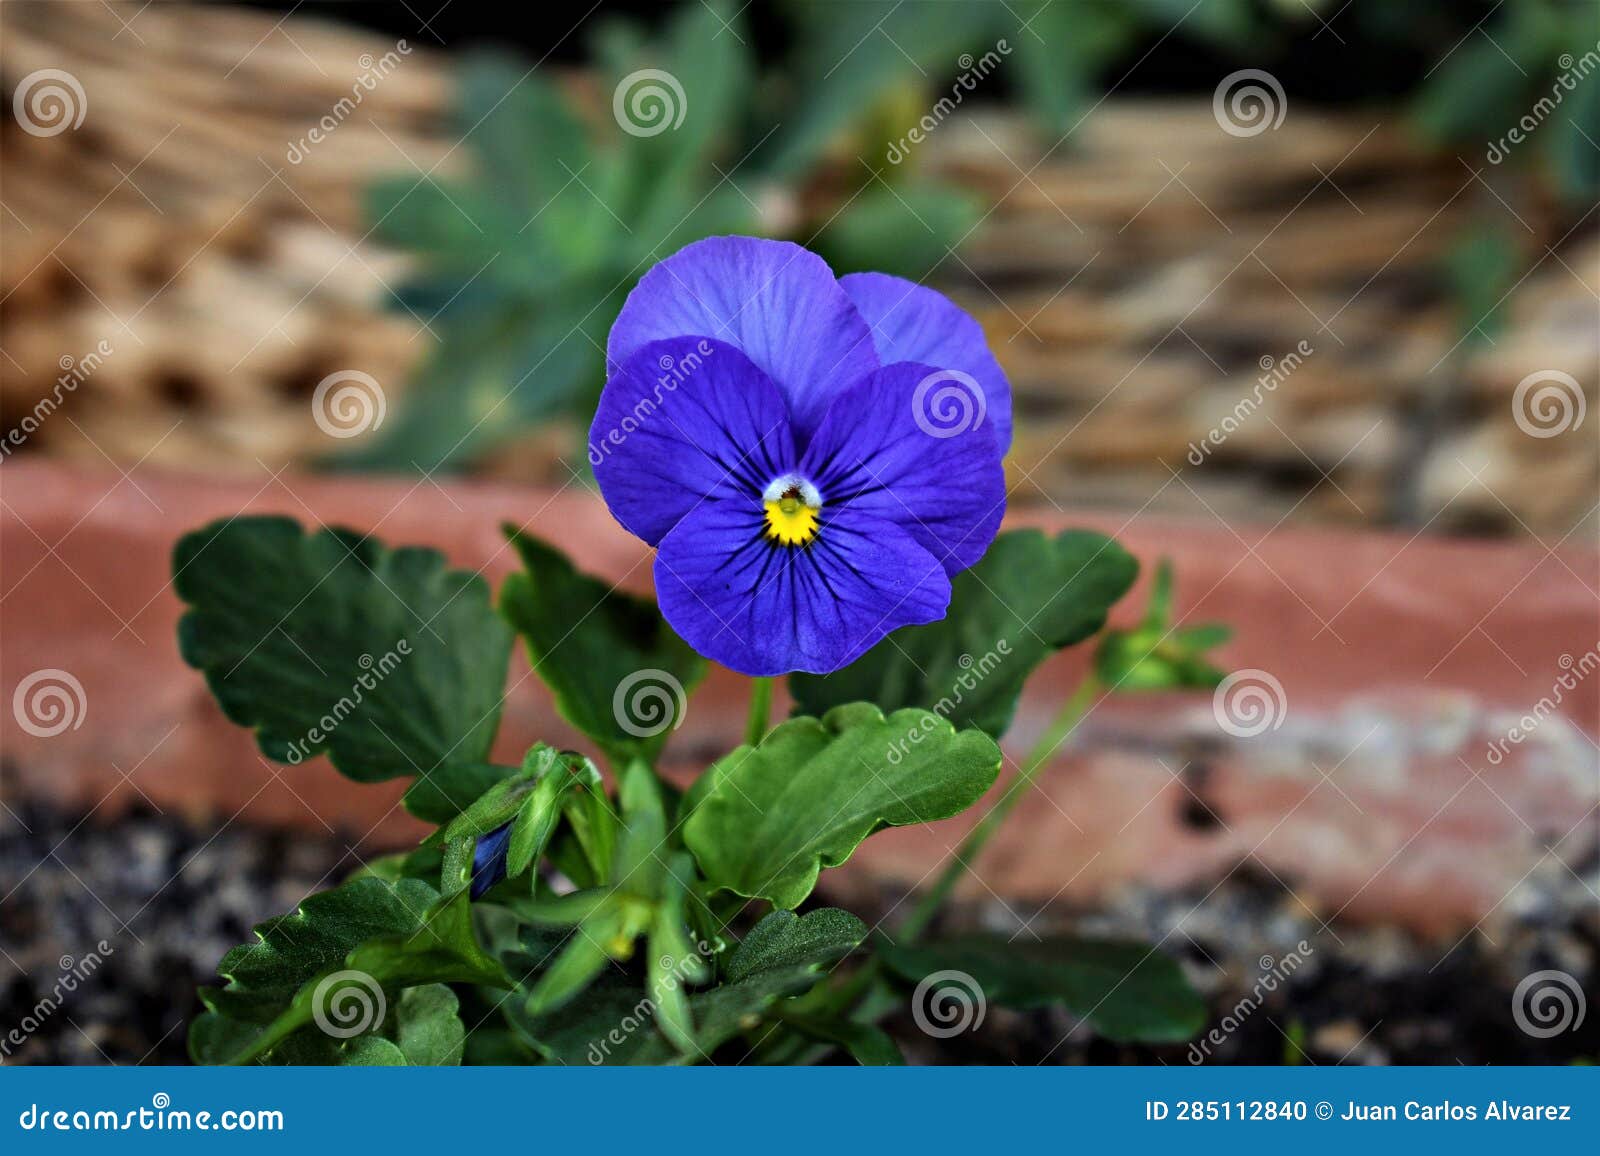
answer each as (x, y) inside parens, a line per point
(1137, 284)
(226, 280)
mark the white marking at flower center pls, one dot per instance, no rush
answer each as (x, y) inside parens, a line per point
(793, 483)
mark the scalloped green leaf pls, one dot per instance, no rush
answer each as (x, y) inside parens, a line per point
(618, 672)
(422, 1028)
(1029, 597)
(329, 642)
(764, 820)
(1128, 991)
(363, 943)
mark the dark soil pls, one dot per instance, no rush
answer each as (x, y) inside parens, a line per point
(168, 900)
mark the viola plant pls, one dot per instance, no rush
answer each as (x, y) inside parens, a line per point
(817, 462)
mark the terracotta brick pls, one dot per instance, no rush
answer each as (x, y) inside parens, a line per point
(1401, 660)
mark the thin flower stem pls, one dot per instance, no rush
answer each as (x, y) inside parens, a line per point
(755, 727)
(1055, 734)
(864, 978)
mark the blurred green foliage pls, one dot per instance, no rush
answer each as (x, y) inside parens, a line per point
(525, 262)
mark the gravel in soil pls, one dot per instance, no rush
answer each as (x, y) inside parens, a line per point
(139, 911)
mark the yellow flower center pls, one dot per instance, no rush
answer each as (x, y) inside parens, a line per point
(790, 520)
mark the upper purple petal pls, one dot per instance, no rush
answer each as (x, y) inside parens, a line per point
(774, 300)
(764, 609)
(685, 421)
(911, 322)
(883, 450)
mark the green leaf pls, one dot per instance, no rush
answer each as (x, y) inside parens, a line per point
(1128, 991)
(868, 1045)
(615, 1022)
(339, 956)
(785, 940)
(765, 820)
(1060, 48)
(386, 660)
(618, 672)
(542, 783)
(525, 262)
(1029, 597)
(421, 1028)
(443, 793)
(1481, 267)
(427, 1028)
(853, 55)
(1154, 656)
(519, 357)
(639, 865)
(907, 232)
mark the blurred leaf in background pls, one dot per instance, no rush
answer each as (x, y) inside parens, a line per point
(526, 262)
(574, 194)
(577, 187)
(1527, 67)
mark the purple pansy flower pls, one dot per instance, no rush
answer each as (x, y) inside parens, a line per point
(813, 456)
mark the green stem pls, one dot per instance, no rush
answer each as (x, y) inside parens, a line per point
(865, 977)
(755, 727)
(1055, 734)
